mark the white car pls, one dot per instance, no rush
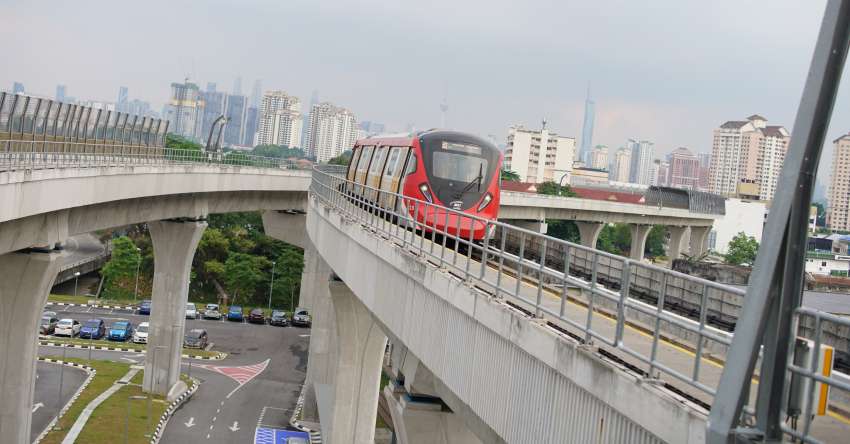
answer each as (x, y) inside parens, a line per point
(141, 334)
(191, 311)
(211, 311)
(67, 327)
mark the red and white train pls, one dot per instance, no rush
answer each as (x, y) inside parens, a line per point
(445, 168)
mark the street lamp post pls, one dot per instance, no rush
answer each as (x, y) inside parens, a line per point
(561, 182)
(138, 265)
(76, 280)
(271, 287)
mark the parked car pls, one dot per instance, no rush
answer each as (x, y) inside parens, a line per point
(67, 327)
(195, 338)
(140, 336)
(279, 318)
(212, 311)
(191, 311)
(234, 313)
(51, 314)
(256, 316)
(93, 329)
(145, 307)
(121, 331)
(48, 325)
(302, 318)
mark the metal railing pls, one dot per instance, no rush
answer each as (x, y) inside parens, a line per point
(556, 288)
(34, 155)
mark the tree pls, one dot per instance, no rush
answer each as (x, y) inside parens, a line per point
(655, 241)
(176, 142)
(554, 189)
(119, 273)
(243, 273)
(278, 151)
(615, 238)
(342, 159)
(564, 230)
(821, 218)
(509, 176)
(287, 279)
(742, 250)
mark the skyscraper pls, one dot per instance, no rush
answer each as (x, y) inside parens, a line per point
(748, 151)
(587, 129)
(17, 88)
(314, 99)
(838, 212)
(235, 110)
(280, 120)
(621, 166)
(331, 131)
(214, 102)
(256, 94)
(684, 169)
(211, 86)
(539, 156)
(640, 170)
(251, 118)
(599, 157)
(704, 168)
(123, 98)
(185, 110)
(60, 93)
(659, 172)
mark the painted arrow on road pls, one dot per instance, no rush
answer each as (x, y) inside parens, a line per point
(37, 406)
(190, 423)
(234, 427)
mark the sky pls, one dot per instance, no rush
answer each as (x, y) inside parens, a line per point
(666, 71)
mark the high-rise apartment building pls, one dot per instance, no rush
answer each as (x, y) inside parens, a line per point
(256, 94)
(659, 172)
(236, 110)
(17, 88)
(621, 166)
(640, 171)
(747, 151)
(704, 169)
(251, 118)
(123, 99)
(599, 157)
(684, 169)
(539, 156)
(60, 93)
(587, 130)
(838, 211)
(331, 130)
(237, 86)
(280, 120)
(185, 110)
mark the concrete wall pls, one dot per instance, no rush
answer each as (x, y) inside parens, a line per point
(505, 367)
(741, 215)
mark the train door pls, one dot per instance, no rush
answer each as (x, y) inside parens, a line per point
(362, 167)
(352, 169)
(392, 175)
(373, 179)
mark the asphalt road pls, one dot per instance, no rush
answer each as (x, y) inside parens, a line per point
(45, 406)
(258, 383)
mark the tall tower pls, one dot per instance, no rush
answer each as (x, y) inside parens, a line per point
(587, 129)
(257, 93)
(237, 86)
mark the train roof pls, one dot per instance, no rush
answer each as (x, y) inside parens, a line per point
(408, 138)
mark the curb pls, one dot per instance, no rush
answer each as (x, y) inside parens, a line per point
(91, 373)
(163, 420)
(113, 307)
(315, 435)
(219, 356)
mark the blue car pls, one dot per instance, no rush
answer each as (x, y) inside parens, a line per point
(234, 313)
(121, 331)
(93, 329)
(145, 307)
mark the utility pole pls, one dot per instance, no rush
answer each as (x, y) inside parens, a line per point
(271, 287)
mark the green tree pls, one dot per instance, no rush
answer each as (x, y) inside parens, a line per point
(615, 238)
(279, 151)
(655, 241)
(742, 250)
(564, 230)
(242, 274)
(821, 218)
(181, 143)
(342, 159)
(509, 176)
(287, 279)
(554, 189)
(119, 273)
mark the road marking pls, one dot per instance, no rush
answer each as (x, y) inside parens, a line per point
(241, 374)
(37, 406)
(191, 422)
(211, 426)
(304, 336)
(214, 418)
(234, 427)
(208, 436)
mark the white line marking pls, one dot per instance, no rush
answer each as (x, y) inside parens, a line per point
(37, 406)
(191, 422)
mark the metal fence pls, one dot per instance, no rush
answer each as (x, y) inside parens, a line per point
(34, 155)
(23, 117)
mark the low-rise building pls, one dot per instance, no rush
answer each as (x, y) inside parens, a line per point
(827, 263)
(745, 216)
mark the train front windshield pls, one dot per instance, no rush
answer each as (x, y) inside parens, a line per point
(459, 168)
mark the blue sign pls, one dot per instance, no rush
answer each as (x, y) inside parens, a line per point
(265, 435)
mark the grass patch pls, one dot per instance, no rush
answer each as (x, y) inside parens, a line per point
(128, 344)
(107, 373)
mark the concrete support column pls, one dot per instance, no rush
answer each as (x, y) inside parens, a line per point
(25, 281)
(174, 245)
(424, 420)
(677, 242)
(538, 226)
(699, 240)
(639, 235)
(315, 296)
(360, 350)
(589, 232)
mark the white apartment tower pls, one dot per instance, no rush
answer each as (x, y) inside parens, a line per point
(640, 170)
(280, 120)
(747, 151)
(599, 157)
(838, 212)
(331, 130)
(620, 166)
(539, 156)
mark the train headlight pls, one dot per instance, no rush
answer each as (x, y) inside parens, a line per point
(423, 188)
(486, 201)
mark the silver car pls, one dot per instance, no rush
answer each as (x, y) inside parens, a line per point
(191, 311)
(212, 311)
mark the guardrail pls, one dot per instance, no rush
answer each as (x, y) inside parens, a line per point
(524, 275)
(34, 155)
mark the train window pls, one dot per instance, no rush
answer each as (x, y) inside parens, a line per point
(365, 155)
(378, 161)
(352, 165)
(411, 165)
(392, 162)
(458, 167)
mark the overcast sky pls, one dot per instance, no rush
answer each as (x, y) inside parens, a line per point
(666, 71)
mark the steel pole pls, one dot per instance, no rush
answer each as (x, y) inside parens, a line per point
(138, 265)
(271, 288)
